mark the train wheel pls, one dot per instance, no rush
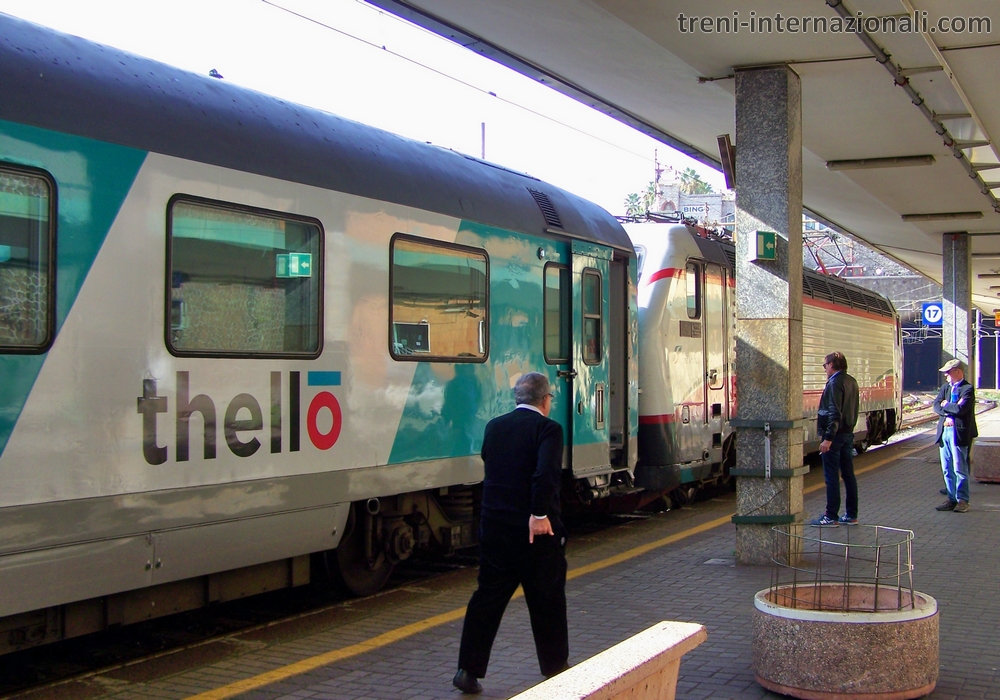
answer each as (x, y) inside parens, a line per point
(683, 496)
(675, 499)
(350, 566)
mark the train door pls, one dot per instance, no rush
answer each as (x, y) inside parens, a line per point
(689, 359)
(591, 359)
(558, 320)
(619, 324)
(716, 364)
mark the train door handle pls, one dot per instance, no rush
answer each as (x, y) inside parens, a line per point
(567, 373)
(713, 376)
(599, 406)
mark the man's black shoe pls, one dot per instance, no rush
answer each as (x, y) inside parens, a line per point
(947, 505)
(466, 682)
(943, 492)
(557, 672)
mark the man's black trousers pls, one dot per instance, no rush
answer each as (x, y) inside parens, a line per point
(506, 559)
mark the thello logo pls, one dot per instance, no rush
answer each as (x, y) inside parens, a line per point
(237, 431)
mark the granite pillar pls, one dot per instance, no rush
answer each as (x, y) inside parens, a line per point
(769, 312)
(957, 337)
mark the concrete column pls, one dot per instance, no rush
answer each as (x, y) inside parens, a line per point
(769, 311)
(958, 339)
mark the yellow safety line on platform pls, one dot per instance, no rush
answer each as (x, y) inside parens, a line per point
(643, 549)
(313, 662)
(876, 465)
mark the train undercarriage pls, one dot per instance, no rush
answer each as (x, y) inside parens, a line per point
(687, 483)
(379, 534)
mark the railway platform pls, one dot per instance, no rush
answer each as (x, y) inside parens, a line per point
(678, 565)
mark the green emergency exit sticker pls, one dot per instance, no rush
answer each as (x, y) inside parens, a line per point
(766, 246)
(293, 265)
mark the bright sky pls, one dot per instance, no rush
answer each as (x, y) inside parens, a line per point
(346, 57)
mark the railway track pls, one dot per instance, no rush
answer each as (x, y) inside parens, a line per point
(925, 414)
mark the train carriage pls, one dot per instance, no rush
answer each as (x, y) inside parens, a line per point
(687, 338)
(243, 341)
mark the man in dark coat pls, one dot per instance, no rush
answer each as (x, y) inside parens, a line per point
(838, 414)
(956, 429)
(521, 536)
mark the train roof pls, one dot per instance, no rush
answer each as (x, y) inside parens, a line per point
(64, 83)
(835, 290)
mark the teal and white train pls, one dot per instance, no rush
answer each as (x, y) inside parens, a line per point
(243, 341)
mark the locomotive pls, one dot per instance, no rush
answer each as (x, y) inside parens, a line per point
(244, 342)
(687, 342)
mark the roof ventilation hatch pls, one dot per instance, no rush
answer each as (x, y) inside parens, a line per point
(548, 210)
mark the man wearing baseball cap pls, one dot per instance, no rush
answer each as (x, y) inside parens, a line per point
(956, 429)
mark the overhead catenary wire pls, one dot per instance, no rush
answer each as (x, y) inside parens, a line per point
(443, 74)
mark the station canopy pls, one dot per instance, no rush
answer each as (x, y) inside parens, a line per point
(897, 118)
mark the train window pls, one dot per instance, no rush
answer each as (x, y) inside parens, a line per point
(438, 302)
(242, 282)
(592, 308)
(692, 277)
(640, 252)
(556, 313)
(27, 218)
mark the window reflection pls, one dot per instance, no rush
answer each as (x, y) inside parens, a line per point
(692, 279)
(25, 241)
(557, 304)
(243, 282)
(592, 317)
(439, 304)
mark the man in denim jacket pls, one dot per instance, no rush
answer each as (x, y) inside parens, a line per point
(956, 429)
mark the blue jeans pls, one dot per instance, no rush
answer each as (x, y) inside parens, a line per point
(837, 463)
(955, 465)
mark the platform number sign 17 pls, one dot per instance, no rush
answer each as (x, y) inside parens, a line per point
(933, 313)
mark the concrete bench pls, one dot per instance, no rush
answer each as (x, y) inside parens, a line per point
(985, 458)
(641, 667)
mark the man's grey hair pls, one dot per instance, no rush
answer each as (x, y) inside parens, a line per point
(531, 388)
